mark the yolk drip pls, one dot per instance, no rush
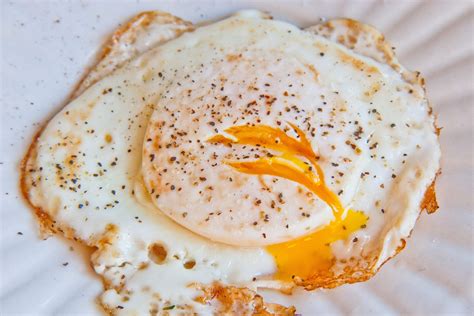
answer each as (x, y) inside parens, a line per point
(305, 256)
(310, 255)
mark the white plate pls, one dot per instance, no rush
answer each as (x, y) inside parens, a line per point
(47, 45)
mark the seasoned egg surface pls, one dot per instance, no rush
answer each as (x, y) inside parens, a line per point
(247, 153)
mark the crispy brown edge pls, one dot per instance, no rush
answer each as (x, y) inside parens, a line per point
(230, 296)
(44, 219)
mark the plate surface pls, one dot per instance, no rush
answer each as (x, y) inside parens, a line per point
(46, 47)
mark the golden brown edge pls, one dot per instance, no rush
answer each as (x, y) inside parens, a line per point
(234, 299)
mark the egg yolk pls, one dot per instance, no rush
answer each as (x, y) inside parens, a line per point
(309, 255)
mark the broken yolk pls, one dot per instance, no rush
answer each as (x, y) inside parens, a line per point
(309, 255)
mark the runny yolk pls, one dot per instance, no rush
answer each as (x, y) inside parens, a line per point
(309, 255)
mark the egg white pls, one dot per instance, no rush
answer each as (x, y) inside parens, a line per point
(89, 177)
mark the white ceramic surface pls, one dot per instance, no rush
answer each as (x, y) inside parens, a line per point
(47, 45)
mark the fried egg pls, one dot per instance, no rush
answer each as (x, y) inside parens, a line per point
(209, 162)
